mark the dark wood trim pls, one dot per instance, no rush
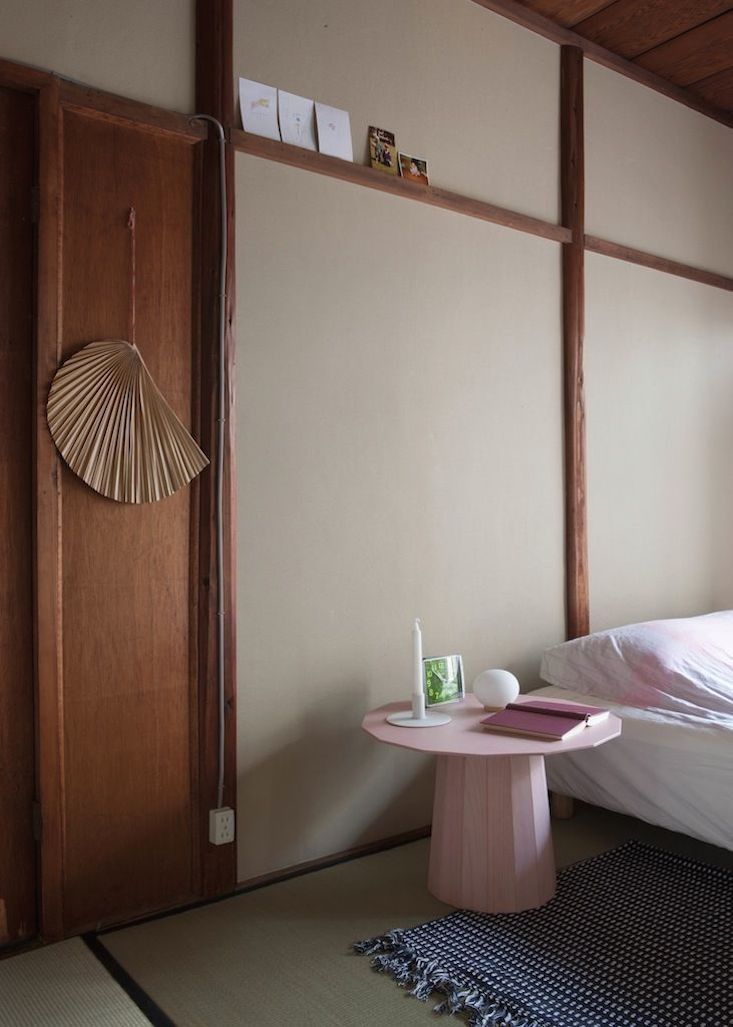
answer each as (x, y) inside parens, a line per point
(48, 513)
(22, 77)
(562, 807)
(538, 23)
(670, 267)
(368, 849)
(147, 1006)
(110, 107)
(572, 187)
(215, 96)
(308, 160)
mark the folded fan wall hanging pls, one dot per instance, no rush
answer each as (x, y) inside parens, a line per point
(111, 423)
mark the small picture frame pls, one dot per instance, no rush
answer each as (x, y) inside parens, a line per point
(414, 169)
(443, 680)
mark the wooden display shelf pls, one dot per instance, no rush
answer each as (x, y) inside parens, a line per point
(333, 167)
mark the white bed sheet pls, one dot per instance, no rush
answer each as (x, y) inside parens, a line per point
(667, 769)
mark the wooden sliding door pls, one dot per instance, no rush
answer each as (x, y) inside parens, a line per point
(17, 846)
(127, 593)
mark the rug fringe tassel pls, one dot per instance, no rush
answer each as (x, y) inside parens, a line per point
(392, 955)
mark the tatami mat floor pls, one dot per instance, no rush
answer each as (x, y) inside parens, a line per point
(280, 956)
(63, 986)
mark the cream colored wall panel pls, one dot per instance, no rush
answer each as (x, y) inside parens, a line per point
(658, 175)
(659, 379)
(135, 48)
(399, 454)
(472, 93)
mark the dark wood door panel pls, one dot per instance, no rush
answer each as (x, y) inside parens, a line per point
(130, 731)
(17, 848)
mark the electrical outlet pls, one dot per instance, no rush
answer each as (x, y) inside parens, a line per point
(221, 826)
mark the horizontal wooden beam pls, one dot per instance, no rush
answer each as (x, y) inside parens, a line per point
(538, 23)
(110, 107)
(671, 267)
(359, 174)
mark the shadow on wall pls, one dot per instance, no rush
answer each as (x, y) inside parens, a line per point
(328, 788)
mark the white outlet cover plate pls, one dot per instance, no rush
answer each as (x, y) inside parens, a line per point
(221, 826)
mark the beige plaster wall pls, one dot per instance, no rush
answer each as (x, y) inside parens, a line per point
(658, 175)
(399, 396)
(659, 379)
(137, 48)
(474, 94)
(399, 454)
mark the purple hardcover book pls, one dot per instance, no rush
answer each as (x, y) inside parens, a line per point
(532, 725)
(590, 714)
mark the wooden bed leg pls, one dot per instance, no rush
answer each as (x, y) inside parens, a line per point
(561, 806)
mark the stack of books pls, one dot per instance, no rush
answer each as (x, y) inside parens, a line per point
(543, 718)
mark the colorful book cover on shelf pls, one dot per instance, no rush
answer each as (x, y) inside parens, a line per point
(533, 725)
(414, 169)
(382, 150)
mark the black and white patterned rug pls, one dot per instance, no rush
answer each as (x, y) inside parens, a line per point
(636, 937)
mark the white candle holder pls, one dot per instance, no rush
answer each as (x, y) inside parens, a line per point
(406, 719)
(417, 715)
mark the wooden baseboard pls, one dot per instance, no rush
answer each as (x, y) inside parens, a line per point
(562, 807)
(284, 874)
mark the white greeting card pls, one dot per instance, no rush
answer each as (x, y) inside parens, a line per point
(334, 132)
(297, 120)
(258, 106)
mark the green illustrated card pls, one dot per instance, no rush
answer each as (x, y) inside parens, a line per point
(443, 677)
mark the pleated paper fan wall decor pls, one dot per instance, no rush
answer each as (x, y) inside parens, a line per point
(115, 430)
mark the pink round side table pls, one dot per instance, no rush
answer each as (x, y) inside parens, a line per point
(491, 845)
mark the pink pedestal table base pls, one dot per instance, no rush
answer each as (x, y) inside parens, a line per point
(491, 848)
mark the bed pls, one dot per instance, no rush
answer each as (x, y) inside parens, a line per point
(671, 682)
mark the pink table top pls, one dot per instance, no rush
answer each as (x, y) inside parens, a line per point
(464, 736)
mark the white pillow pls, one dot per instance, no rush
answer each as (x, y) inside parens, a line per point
(684, 665)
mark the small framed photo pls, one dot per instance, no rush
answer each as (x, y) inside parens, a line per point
(443, 677)
(415, 169)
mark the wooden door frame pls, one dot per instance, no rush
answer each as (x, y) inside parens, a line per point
(30, 83)
(215, 97)
(53, 96)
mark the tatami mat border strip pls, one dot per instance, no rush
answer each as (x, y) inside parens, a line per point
(147, 1006)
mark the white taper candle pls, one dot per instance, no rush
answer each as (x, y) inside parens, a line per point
(418, 692)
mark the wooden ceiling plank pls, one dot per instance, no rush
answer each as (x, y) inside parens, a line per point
(548, 29)
(717, 89)
(694, 55)
(631, 28)
(566, 12)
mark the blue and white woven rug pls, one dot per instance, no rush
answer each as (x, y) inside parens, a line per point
(636, 937)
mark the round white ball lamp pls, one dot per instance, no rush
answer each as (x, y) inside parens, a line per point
(495, 688)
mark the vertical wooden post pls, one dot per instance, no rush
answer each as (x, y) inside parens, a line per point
(572, 182)
(47, 573)
(215, 96)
